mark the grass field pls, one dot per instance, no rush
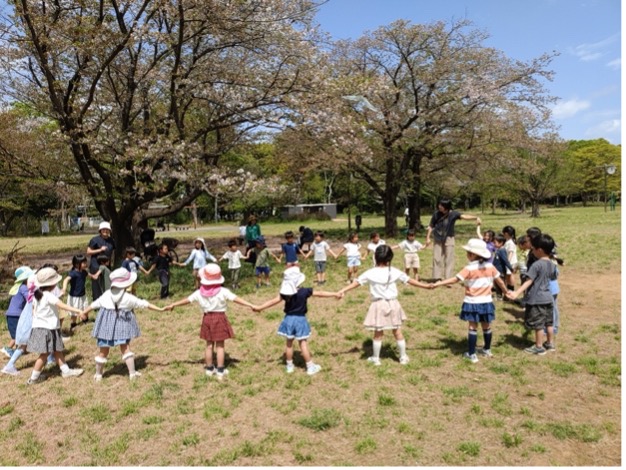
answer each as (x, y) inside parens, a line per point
(513, 410)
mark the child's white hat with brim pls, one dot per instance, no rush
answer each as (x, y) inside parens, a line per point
(292, 278)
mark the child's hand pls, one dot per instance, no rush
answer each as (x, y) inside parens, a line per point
(339, 295)
(436, 284)
(511, 294)
(168, 308)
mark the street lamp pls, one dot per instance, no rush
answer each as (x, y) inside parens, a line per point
(608, 170)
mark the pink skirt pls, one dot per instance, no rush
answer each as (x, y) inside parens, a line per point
(384, 315)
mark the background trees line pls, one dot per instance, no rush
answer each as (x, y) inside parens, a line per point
(249, 104)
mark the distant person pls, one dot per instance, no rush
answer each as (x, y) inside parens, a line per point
(353, 255)
(132, 263)
(162, 264)
(306, 238)
(253, 232)
(487, 237)
(101, 244)
(501, 262)
(375, 242)
(320, 247)
(478, 278)
(199, 255)
(18, 295)
(442, 227)
(290, 249)
(76, 281)
(411, 248)
(262, 264)
(511, 250)
(234, 257)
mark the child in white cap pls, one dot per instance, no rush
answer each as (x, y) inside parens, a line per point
(295, 325)
(478, 277)
(215, 328)
(45, 336)
(116, 324)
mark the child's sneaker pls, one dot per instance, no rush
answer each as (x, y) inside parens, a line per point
(134, 376)
(97, 378)
(471, 357)
(8, 352)
(374, 360)
(220, 375)
(485, 352)
(289, 368)
(404, 360)
(10, 370)
(38, 380)
(71, 373)
(549, 347)
(210, 372)
(314, 369)
(535, 350)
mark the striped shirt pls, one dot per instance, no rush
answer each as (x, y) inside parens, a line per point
(478, 280)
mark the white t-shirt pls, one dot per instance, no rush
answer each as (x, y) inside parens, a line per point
(410, 247)
(242, 230)
(125, 300)
(511, 251)
(217, 303)
(382, 281)
(319, 250)
(45, 312)
(234, 259)
(372, 247)
(352, 249)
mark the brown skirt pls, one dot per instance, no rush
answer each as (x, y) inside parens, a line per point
(216, 327)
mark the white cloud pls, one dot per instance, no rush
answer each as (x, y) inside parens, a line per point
(615, 64)
(569, 108)
(605, 129)
(592, 51)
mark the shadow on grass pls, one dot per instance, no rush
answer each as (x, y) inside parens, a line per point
(386, 351)
(516, 341)
(516, 312)
(455, 345)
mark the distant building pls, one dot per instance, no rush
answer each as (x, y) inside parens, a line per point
(330, 209)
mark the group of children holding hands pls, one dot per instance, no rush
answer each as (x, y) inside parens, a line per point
(37, 298)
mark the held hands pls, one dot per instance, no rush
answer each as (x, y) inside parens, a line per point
(511, 294)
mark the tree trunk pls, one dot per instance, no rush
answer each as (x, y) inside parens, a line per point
(414, 195)
(534, 208)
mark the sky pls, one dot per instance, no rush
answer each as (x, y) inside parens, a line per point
(586, 33)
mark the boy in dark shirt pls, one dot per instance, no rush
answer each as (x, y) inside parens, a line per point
(162, 263)
(538, 299)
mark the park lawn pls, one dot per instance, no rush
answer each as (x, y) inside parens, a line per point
(513, 410)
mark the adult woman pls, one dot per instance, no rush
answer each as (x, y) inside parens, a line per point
(101, 244)
(253, 231)
(442, 224)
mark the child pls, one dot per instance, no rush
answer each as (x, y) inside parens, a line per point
(199, 255)
(385, 312)
(162, 263)
(295, 325)
(375, 242)
(487, 237)
(24, 327)
(104, 273)
(319, 257)
(511, 251)
(18, 298)
(539, 303)
(76, 278)
(478, 277)
(290, 249)
(523, 243)
(410, 246)
(215, 327)
(242, 234)
(353, 253)
(501, 261)
(262, 262)
(234, 257)
(45, 336)
(132, 263)
(116, 323)
(306, 238)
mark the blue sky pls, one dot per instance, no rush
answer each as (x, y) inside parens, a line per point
(586, 33)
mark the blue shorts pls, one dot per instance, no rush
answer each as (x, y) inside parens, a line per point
(109, 343)
(12, 325)
(320, 266)
(294, 327)
(262, 270)
(354, 261)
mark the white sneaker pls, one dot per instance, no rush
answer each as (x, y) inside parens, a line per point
(471, 357)
(404, 360)
(210, 372)
(290, 368)
(485, 352)
(71, 373)
(134, 376)
(97, 378)
(220, 375)
(10, 370)
(374, 360)
(314, 369)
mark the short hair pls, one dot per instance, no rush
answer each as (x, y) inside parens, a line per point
(499, 238)
(130, 250)
(374, 235)
(410, 233)
(162, 245)
(232, 242)
(319, 233)
(523, 239)
(445, 203)
(543, 242)
(102, 259)
(77, 260)
(383, 254)
(289, 234)
(533, 232)
(351, 235)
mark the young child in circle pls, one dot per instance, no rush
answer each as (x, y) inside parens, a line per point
(18, 298)
(478, 277)
(488, 238)
(45, 336)
(76, 279)
(290, 249)
(234, 257)
(116, 324)
(410, 247)
(132, 263)
(501, 262)
(375, 242)
(199, 255)
(353, 254)
(262, 262)
(295, 325)
(216, 328)
(162, 264)
(385, 312)
(320, 247)
(511, 249)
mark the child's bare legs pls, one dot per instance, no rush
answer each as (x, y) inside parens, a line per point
(539, 336)
(196, 279)
(416, 274)
(40, 362)
(208, 355)
(267, 279)
(220, 354)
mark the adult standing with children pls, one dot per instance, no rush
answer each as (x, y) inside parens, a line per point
(442, 226)
(253, 232)
(101, 244)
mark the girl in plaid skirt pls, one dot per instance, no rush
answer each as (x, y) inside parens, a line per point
(215, 328)
(116, 323)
